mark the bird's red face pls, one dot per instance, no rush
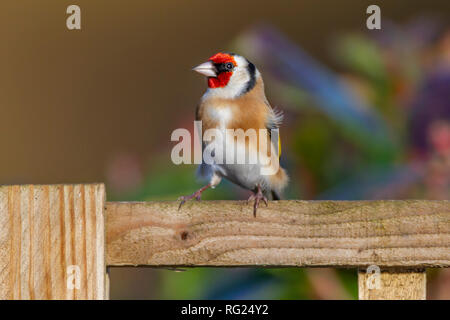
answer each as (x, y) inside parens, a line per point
(219, 69)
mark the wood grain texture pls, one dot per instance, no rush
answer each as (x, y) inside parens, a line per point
(286, 233)
(44, 230)
(395, 284)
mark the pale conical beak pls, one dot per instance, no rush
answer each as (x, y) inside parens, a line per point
(207, 69)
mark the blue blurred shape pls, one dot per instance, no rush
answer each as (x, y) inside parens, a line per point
(378, 183)
(245, 284)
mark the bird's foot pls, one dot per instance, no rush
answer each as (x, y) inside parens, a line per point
(257, 197)
(197, 195)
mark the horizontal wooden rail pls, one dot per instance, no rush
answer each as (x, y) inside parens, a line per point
(57, 240)
(412, 233)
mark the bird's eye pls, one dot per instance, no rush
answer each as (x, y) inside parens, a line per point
(224, 67)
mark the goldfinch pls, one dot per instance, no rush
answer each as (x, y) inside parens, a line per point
(235, 99)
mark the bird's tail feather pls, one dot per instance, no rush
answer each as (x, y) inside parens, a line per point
(275, 195)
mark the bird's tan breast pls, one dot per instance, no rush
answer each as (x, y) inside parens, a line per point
(246, 112)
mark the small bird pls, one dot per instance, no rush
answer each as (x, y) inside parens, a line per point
(235, 99)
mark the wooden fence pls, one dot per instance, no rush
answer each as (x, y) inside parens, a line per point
(57, 241)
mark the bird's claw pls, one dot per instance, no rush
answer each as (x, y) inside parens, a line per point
(258, 196)
(183, 201)
(197, 195)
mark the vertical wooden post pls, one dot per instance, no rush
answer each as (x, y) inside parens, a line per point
(394, 284)
(52, 242)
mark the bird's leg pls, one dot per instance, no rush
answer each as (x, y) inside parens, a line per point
(257, 196)
(197, 195)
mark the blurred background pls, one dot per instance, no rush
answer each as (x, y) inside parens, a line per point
(367, 113)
